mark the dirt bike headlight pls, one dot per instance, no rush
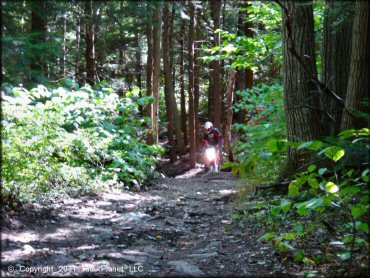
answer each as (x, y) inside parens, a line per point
(211, 154)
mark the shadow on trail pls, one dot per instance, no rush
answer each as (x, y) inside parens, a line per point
(180, 227)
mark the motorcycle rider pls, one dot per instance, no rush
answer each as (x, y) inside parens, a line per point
(212, 136)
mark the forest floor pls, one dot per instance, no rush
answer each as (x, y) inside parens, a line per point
(180, 227)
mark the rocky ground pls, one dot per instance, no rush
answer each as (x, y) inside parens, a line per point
(180, 227)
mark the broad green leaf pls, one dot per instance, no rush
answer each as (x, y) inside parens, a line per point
(334, 153)
(363, 227)
(311, 168)
(290, 236)
(286, 205)
(310, 204)
(347, 133)
(313, 182)
(267, 236)
(311, 145)
(227, 165)
(331, 187)
(364, 132)
(293, 189)
(235, 169)
(275, 145)
(322, 171)
(299, 256)
(356, 211)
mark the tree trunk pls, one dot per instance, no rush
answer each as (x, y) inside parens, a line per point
(359, 75)
(90, 44)
(38, 30)
(78, 42)
(176, 117)
(168, 81)
(156, 67)
(302, 103)
(191, 86)
(335, 60)
(198, 37)
(182, 84)
(138, 68)
(216, 66)
(229, 114)
(244, 77)
(149, 77)
(63, 63)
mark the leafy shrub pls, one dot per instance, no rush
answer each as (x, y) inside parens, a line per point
(334, 199)
(264, 116)
(72, 140)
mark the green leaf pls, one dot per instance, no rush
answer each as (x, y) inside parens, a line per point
(290, 236)
(311, 145)
(313, 182)
(275, 145)
(363, 227)
(227, 165)
(322, 171)
(364, 132)
(286, 205)
(347, 133)
(310, 204)
(331, 187)
(267, 236)
(311, 168)
(334, 153)
(235, 169)
(356, 211)
(293, 189)
(299, 256)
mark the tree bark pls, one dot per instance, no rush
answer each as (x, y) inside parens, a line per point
(38, 30)
(198, 37)
(138, 68)
(302, 101)
(359, 75)
(336, 45)
(244, 77)
(149, 77)
(180, 146)
(90, 44)
(156, 67)
(182, 84)
(191, 86)
(168, 82)
(78, 42)
(216, 66)
(229, 114)
(63, 62)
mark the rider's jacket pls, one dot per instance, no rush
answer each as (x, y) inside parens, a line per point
(213, 138)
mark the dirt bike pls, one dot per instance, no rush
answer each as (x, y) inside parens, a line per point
(212, 160)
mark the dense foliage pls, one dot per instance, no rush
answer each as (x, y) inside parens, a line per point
(72, 139)
(264, 119)
(327, 203)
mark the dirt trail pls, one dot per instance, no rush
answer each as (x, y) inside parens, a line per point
(180, 227)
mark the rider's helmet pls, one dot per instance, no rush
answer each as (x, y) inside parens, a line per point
(208, 126)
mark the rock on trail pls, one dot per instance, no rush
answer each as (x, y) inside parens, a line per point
(180, 227)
